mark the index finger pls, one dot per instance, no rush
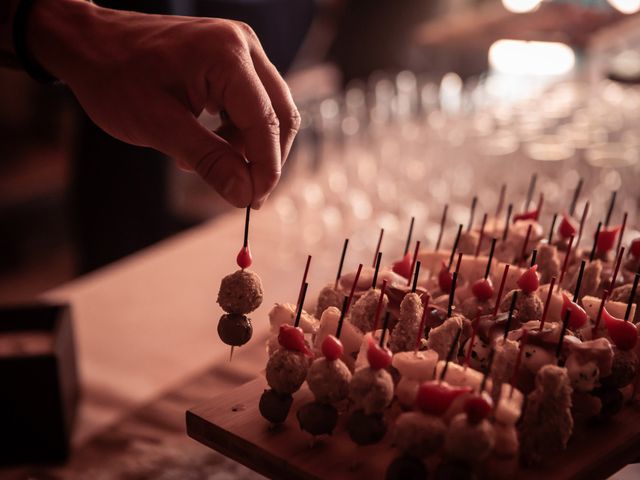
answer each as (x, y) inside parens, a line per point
(249, 108)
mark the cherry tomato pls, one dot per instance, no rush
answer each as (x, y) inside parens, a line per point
(445, 279)
(478, 407)
(566, 228)
(623, 334)
(292, 338)
(436, 397)
(378, 357)
(403, 267)
(332, 348)
(244, 258)
(607, 239)
(529, 281)
(578, 316)
(530, 215)
(482, 289)
(635, 248)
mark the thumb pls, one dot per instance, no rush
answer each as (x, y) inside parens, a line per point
(210, 156)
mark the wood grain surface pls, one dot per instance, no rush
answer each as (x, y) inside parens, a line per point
(232, 425)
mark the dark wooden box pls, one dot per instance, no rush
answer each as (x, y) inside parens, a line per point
(38, 383)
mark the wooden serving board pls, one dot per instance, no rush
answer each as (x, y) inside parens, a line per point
(231, 424)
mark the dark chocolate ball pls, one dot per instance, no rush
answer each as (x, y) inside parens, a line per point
(612, 401)
(366, 429)
(275, 406)
(235, 330)
(406, 467)
(317, 418)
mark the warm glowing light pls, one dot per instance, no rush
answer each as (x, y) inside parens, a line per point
(531, 58)
(522, 6)
(625, 6)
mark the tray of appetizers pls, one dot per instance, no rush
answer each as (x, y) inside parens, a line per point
(511, 353)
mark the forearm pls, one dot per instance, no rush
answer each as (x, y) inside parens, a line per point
(50, 33)
(7, 12)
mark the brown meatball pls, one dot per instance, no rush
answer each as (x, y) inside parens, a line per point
(287, 370)
(590, 279)
(468, 242)
(328, 297)
(363, 313)
(470, 306)
(528, 305)
(624, 369)
(418, 434)
(240, 292)
(548, 262)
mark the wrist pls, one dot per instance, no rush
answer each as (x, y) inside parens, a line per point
(54, 32)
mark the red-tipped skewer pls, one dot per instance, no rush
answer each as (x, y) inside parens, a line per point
(605, 296)
(353, 287)
(632, 296)
(244, 259)
(375, 256)
(612, 204)
(595, 242)
(472, 213)
(415, 277)
(525, 244)
(552, 228)
(413, 262)
(374, 283)
(481, 237)
(566, 261)
(505, 232)
(532, 187)
(501, 290)
(304, 277)
(383, 289)
(341, 264)
(616, 269)
(576, 195)
(443, 220)
(454, 247)
(583, 219)
(622, 229)
(409, 235)
(545, 310)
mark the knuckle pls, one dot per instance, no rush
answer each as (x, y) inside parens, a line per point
(246, 30)
(233, 36)
(271, 121)
(294, 120)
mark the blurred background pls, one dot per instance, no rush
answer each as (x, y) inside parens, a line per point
(468, 94)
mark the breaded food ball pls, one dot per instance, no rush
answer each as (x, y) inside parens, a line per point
(528, 305)
(328, 297)
(418, 434)
(329, 380)
(240, 292)
(287, 370)
(371, 390)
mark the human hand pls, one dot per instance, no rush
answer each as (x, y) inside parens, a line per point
(145, 79)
